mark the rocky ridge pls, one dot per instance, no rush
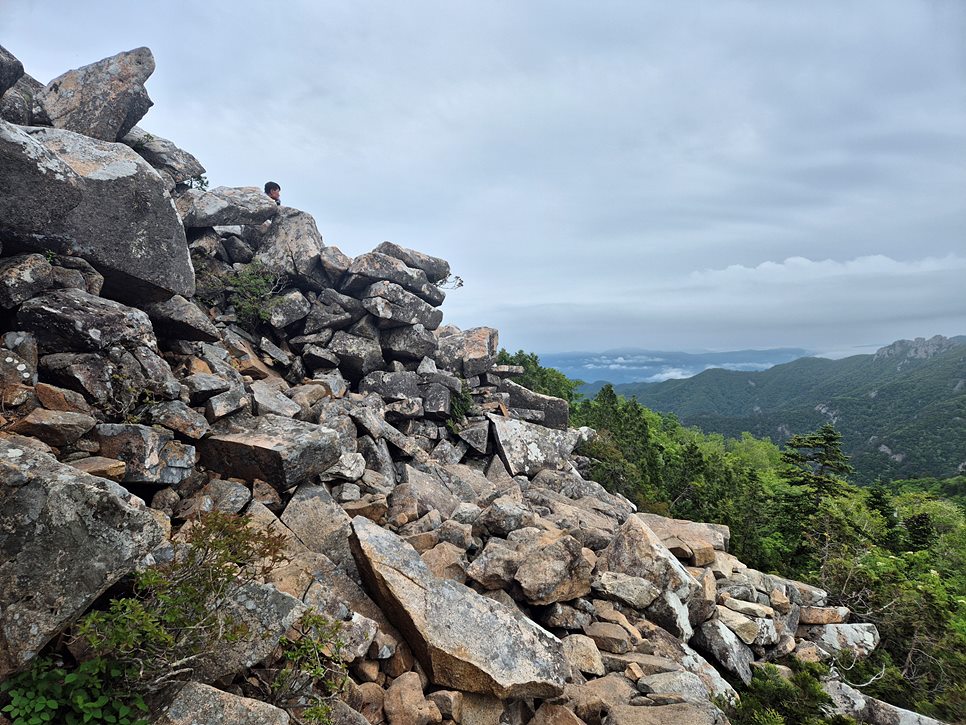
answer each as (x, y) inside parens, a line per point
(428, 503)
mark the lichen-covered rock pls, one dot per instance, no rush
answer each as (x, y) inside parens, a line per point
(54, 427)
(196, 703)
(163, 155)
(395, 307)
(224, 206)
(850, 702)
(292, 246)
(22, 277)
(436, 269)
(282, 451)
(78, 196)
(469, 352)
(860, 638)
(151, 454)
(66, 538)
(463, 640)
(104, 99)
(714, 638)
(179, 319)
(527, 448)
(11, 70)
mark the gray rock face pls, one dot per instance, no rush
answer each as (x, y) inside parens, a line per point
(470, 352)
(73, 321)
(292, 246)
(850, 702)
(78, 196)
(67, 537)
(358, 356)
(281, 451)
(436, 269)
(375, 267)
(179, 319)
(225, 206)
(556, 412)
(11, 70)
(714, 638)
(104, 99)
(151, 454)
(16, 105)
(833, 639)
(408, 343)
(163, 155)
(395, 307)
(527, 448)
(463, 640)
(197, 703)
(21, 277)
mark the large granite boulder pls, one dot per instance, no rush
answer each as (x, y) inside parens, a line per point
(556, 412)
(463, 640)
(11, 70)
(81, 197)
(163, 155)
(395, 307)
(527, 448)
(833, 639)
(281, 451)
(850, 702)
(225, 206)
(468, 352)
(292, 246)
(375, 267)
(104, 99)
(718, 641)
(436, 269)
(66, 538)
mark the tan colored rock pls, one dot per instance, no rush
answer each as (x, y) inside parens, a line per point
(196, 703)
(550, 714)
(110, 468)
(780, 601)
(404, 703)
(481, 709)
(54, 398)
(609, 637)
(55, 427)
(463, 640)
(450, 704)
(824, 615)
(446, 561)
(750, 609)
(582, 654)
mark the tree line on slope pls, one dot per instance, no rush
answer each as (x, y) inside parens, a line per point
(894, 553)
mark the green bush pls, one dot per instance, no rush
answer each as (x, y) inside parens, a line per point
(89, 693)
(772, 699)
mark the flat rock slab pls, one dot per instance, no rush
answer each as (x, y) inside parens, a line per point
(463, 640)
(66, 538)
(282, 451)
(225, 206)
(198, 703)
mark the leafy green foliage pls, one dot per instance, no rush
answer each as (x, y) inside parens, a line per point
(815, 461)
(252, 292)
(197, 182)
(460, 405)
(772, 699)
(539, 379)
(90, 693)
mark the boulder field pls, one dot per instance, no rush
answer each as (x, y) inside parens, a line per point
(168, 350)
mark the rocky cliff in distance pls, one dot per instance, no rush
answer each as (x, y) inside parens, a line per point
(204, 350)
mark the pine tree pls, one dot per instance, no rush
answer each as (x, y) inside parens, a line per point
(816, 462)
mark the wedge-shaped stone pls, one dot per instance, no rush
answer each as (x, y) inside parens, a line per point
(395, 307)
(556, 412)
(163, 155)
(54, 427)
(66, 538)
(859, 639)
(463, 640)
(436, 269)
(282, 451)
(717, 640)
(528, 449)
(104, 99)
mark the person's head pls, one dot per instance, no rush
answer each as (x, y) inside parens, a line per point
(273, 190)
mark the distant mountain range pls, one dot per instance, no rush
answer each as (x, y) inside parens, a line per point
(901, 411)
(631, 365)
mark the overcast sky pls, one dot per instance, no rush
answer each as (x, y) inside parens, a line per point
(686, 175)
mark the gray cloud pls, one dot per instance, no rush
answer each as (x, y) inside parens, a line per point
(581, 167)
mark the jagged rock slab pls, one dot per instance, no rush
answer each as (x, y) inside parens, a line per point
(527, 448)
(179, 319)
(16, 105)
(150, 454)
(11, 70)
(78, 196)
(696, 535)
(66, 538)
(282, 451)
(469, 352)
(163, 155)
(197, 703)
(714, 638)
(436, 269)
(292, 246)
(375, 267)
(225, 206)
(22, 277)
(556, 412)
(859, 639)
(104, 99)
(320, 524)
(395, 307)
(463, 640)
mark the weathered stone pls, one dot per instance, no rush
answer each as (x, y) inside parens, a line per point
(109, 468)
(22, 277)
(224, 205)
(11, 71)
(375, 267)
(565, 616)
(281, 451)
(79, 196)
(751, 609)
(582, 654)
(556, 412)
(823, 615)
(469, 352)
(104, 99)
(436, 269)
(716, 639)
(292, 246)
(463, 640)
(55, 427)
(395, 307)
(163, 155)
(859, 639)
(67, 537)
(391, 386)
(554, 569)
(358, 356)
(269, 400)
(609, 637)
(151, 454)
(75, 321)
(527, 448)
(196, 703)
(698, 537)
(321, 525)
(408, 343)
(631, 590)
(178, 417)
(751, 630)
(637, 551)
(851, 703)
(224, 404)
(287, 309)
(16, 104)
(405, 704)
(226, 495)
(179, 319)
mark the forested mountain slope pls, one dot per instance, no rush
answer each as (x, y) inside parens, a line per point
(901, 411)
